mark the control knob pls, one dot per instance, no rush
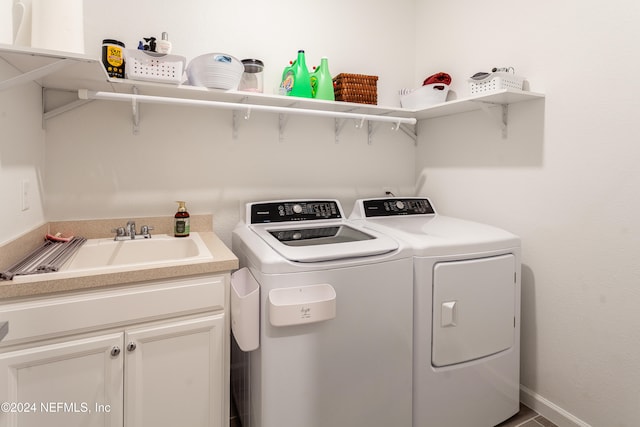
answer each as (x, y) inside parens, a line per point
(297, 208)
(400, 204)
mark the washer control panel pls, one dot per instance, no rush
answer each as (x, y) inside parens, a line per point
(397, 206)
(296, 210)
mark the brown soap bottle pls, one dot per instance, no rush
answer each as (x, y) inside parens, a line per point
(181, 226)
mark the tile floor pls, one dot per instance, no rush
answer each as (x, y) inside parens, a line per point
(525, 418)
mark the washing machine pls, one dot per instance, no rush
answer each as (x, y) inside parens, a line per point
(334, 340)
(466, 312)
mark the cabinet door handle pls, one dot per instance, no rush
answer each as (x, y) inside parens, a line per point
(115, 351)
(131, 346)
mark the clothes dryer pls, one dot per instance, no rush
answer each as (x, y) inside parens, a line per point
(335, 320)
(466, 312)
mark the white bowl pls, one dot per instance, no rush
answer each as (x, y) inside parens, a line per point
(215, 70)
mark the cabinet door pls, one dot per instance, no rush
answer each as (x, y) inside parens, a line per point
(73, 383)
(174, 374)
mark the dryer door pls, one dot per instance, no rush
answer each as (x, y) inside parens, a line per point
(473, 308)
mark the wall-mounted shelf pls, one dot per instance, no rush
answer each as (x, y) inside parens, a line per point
(53, 69)
(73, 72)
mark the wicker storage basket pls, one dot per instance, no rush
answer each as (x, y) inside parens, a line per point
(358, 88)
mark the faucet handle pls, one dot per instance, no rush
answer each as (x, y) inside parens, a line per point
(145, 230)
(120, 232)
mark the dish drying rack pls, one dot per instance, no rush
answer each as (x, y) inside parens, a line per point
(46, 259)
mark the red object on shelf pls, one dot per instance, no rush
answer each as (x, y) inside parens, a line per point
(438, 78)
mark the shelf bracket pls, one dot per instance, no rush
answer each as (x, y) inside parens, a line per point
(339, 125)
(35, 74)
(502, 120)
(283, 119)
(135, 112)
(411, 133)
(282, 124)
(61, 108)
(235, 119)
(46, 115)
(371, 129)
(234, 125)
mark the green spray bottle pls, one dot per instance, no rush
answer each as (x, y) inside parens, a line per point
(295, 79)
(321, 82)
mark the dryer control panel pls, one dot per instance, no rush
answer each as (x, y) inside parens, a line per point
(397, 206)
(296, 210)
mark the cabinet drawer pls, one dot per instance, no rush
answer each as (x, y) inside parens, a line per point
(49, 317)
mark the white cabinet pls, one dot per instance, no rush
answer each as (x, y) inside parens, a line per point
(62, 384)
(143, 355)
(173, 374)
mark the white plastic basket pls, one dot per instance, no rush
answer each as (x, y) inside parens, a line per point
(425, 96)
(154, 67)
(496, 81)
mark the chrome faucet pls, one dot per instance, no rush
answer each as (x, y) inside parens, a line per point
(131, 229)
(128, 232)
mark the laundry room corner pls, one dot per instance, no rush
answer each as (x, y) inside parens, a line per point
(564, 179)
(518, 201)
(22, 159)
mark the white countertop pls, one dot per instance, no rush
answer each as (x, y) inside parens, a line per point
(223, 261)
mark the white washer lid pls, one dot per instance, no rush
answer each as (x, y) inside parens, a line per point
(313, 230)
(323, 240)
(430, 233)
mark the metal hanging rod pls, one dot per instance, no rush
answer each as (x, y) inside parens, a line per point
(134, 98)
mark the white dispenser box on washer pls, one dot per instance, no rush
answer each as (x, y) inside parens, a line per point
(304, 304)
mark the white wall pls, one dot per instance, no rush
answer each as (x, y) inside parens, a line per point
(96, 167)
(356, 36)
(21, 156)
(566, 180)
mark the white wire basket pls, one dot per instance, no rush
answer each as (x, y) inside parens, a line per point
(153, 67)
(496, 81)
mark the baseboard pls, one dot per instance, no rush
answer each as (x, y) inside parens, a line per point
(549, 410)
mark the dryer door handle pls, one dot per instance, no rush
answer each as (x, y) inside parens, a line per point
(449, 314)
